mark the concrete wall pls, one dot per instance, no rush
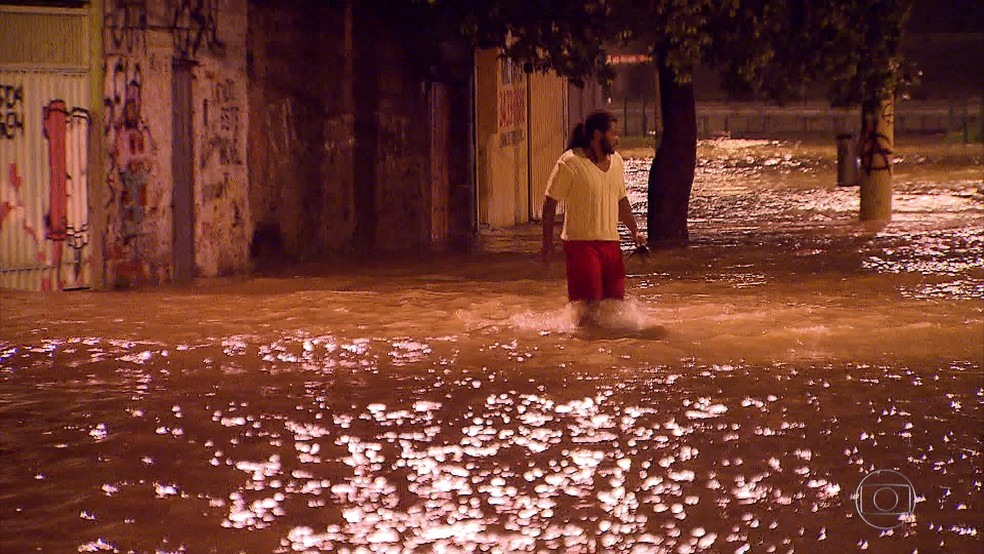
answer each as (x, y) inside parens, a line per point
(341, 137)
(142, 42)
(403, 136)
(302, 129)
(223, 226)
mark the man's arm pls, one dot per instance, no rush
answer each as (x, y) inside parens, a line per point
(626, 217)
(549, 213)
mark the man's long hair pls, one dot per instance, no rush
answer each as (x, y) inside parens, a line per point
(600, 120)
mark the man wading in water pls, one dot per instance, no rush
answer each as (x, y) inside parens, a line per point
(590, 179)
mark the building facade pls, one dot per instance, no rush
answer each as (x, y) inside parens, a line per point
(147, 141)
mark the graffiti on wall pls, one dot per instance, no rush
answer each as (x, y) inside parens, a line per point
(131, 146)
(52, 216)
(194, 24)
(126, 26)
(67, 220)
(876, 147)
(222, 122)
(12, 116)
(13, 210)
(143, 38)
(125, 82)
(511, 104)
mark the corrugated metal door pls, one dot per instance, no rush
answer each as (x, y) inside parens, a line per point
(44, 152)
(44, 184)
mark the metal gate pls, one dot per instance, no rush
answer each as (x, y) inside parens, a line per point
(44, 158)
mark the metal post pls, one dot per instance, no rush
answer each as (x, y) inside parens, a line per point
(625, 115)
(847, 160)
(473, 144)
(966, 125)
(529, 145)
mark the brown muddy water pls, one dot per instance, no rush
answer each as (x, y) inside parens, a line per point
(446, 403)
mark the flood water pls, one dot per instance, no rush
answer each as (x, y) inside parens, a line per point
(448, 403)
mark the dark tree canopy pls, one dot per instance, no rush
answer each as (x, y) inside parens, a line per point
(775, 48)
(562, 36)
(851, 48)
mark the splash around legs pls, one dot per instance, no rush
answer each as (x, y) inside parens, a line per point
(613, 318)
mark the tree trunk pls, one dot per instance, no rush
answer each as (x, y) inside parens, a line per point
(877, 146)
(672, 174)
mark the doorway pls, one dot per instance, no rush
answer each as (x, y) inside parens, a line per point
(182, 162)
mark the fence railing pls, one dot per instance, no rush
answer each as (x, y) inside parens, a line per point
(963, 121)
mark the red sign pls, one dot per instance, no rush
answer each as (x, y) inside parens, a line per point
(627, 59)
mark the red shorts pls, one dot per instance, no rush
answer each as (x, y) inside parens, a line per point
(595, 270)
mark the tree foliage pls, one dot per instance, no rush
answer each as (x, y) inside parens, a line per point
(775, 48)
(778, 48)
(566, 37)
(851, 49)
(863, 60)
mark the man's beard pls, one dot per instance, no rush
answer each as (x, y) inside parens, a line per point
(607, 147)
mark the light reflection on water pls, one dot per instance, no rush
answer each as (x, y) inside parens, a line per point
(294, 457)
(750, 195)
(732, 404)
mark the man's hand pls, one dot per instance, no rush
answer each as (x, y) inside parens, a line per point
(626, 217)
(549, 211)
